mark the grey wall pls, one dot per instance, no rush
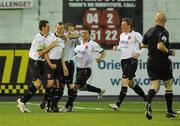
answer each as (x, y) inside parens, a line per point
(171, 7)
(21, 25)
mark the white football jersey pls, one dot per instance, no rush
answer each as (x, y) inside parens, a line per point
(56, 52)
(84, 53)
(69, 48)
(129, 43)
(39, 41)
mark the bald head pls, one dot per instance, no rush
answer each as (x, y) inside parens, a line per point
(161, 18)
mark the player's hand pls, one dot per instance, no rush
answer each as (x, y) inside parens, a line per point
(135, 55)
(73, 36)
(98, 60)
(52, 66)
(40, 53)
(115, 48)
(65, 71)
(64, 37)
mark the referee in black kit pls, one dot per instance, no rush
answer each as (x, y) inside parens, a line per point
(159, 66)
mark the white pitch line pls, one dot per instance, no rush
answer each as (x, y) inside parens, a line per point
(82, 108)
(99, 109)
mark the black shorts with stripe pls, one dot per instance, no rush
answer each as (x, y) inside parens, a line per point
(129, 67)
(82, 76)
(37, 69)
(159, 68)
(70, 66)
(53, 74)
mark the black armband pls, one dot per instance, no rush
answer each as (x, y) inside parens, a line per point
(170, 52)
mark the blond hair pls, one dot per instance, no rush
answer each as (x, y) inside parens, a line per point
(161, 17)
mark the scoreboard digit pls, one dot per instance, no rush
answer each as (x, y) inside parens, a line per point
(110, 17)
(104, 24)
(96, 34)
(111, 35)
(91, 17)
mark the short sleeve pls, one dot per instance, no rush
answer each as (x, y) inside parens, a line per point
(145, 39)
(41, 44)
(97, 47)
(76, 49)
(163, 36)
(139, 37)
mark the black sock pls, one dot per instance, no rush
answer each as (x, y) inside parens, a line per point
(46, 94)
(28, 95)
(72, 94)
(169, 100)
(57, 95)
(140, 92)
(122, 95)
(151, 94)
(49, 95)
(91, 88)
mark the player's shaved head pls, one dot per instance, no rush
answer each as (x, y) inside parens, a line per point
(161, 17)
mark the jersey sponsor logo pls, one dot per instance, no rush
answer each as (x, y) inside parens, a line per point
(124, 42)
(81, 52)
(41, 46)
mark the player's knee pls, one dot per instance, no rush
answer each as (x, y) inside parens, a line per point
(155, 88)
(76, 87)
(50, 83)
(125, 82)
(168, 86)
(131, 84)
(72, 86)
(69, 86)
(38, 83)
(155, 85)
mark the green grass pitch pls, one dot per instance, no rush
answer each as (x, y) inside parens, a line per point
(88, 114)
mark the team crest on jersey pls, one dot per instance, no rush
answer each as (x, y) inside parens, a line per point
(129, 37)
(86, 47)
(164, 38)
